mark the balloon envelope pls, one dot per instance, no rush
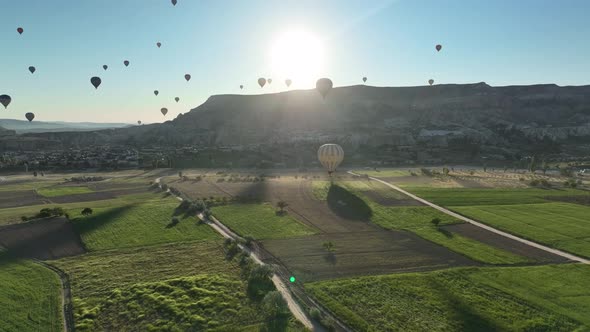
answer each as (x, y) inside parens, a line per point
(156, 92)
(430, 81)
(364, 79)
(164, 110)
(95, 81)
(438, 47)
(158, 44)
(324, 85)
(330, 156)
(177, 99)
(173, 2)
(126, 63)
(32, 69)
(138, 121)
(20, 30)
(187, 77)
(105, 67)
(241, 87)
(288, 82)
(261, 82)
(5, 100)
(30, 116)
(269, 80)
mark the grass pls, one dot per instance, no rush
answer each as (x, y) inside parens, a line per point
(386, 172)
(490, 196)
(417, 219)
(465, 299)
(560, 225)
(259, 221)
(56, 191)
(320, 189)
(30, 297)
(138, 224)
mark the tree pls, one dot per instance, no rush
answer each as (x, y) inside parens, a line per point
(435, 221)
(328, 245)
(282, 205)
(86, 212)
(275, 305)
(164, 187)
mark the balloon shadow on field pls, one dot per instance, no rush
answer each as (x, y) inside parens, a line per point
(347, 205)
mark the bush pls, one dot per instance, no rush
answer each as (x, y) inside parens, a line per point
(173, 222)
(86, 212)
(534, 183)
(274, 305)
(435, 221)
(426, 171)
(315, 313)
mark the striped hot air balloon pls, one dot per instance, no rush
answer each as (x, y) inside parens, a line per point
(330, 156)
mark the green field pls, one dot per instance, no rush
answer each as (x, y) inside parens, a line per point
(417, 219)
(560, 225)
(464, 299)
(385, 173)
(260, 221)
(140, 223)
(30, 297)
(55, 191)
(490, 196)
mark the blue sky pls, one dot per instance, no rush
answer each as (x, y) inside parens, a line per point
(223, 44)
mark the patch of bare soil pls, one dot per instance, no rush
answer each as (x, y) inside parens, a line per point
(10, 199)
(501, 242)
(377, 197)
(43, 239)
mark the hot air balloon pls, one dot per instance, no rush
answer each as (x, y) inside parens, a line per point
(96, 81)
(32, 69)
(187, 77)
(364, 79)
(158, 44)
(261, 82)
(269, 80)
(20, 30)
(330, 156)
(126, 63)
(177, 99)
(164, 110)
(173, 2)
(30, 116)
(5, 100)
(323, 85)
(438, 47)
(138, 122)
(288, 82)
(156, 92)
(241, 87)
(431, 81)
(105, 67)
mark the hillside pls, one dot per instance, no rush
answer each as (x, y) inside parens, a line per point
(458, 122)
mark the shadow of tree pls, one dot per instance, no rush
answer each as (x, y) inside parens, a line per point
(331, 258)
(347, 205)
(445, 232)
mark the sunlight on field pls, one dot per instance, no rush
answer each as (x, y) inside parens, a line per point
(63, 191)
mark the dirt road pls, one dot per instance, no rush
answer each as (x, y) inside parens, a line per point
(486, 227)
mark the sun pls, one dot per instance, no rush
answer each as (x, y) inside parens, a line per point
(297, 55)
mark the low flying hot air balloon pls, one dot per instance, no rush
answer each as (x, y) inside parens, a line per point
(438, 47)
(95, 81)
(105, 67)
(173, 2)
(288, 82)
(30, 116)
(187, 77)
(241, 87)
(138, 122)
(431, 81)
(262, 82)
(364, 80)
(156, 92)
(330, 156)
(126, 63)
(324, 85)
(158, 44)
(269, 80)
(20, 30)
(32, 69)
(5, 100)
(164, 110)
(177, 99)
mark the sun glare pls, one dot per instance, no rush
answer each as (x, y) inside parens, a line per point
(297, 55)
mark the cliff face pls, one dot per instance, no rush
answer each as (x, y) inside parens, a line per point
(429, 116)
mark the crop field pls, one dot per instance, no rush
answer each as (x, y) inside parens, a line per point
(55, 191)
(138, 224)
(560, 225)
(134, 288)
(259, 221)
(30, 297)
(463, 299)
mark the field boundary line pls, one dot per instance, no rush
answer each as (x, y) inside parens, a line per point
(66, 296)
(482, 225)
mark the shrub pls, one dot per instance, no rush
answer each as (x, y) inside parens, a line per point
(274, 305)
(435, 221)
(315, 313)
(328, 245)
(534, 182)
(87, 211)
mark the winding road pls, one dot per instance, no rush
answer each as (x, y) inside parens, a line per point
(481, 225)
